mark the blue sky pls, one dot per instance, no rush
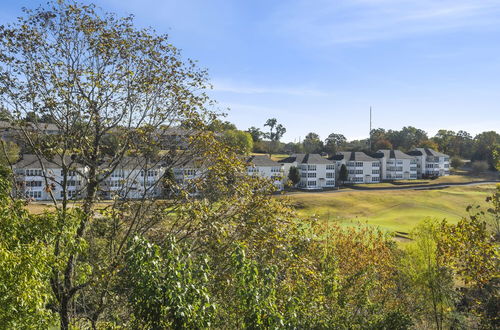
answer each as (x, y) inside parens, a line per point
(319, 65)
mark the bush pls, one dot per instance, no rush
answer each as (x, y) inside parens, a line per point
(456, 162)
(479, 166)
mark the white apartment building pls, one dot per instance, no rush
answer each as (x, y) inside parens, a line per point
(361, 168)
(396, 165)
(43, 179)
(431, 163)
(315, 171)
(265, 167)
(133, 178)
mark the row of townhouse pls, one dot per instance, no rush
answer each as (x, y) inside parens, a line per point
(317, 172)
(134, 177)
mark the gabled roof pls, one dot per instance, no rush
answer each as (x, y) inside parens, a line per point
(426, 152)
(305, 159)
(353, 156)
(392, 154)
(32, 161)
(261, 160)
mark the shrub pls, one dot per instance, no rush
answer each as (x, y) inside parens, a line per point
(479, 166)
(456, 162)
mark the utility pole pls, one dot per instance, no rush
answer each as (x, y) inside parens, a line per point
(370, 136)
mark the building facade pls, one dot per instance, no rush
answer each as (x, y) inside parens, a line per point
(265, 167)
(43, 179)
(361, 168)
(396, 165)
(431, 163)
(316, 172)
(133, 178)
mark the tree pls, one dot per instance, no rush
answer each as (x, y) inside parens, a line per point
(383, 144)
(256, 134)
(479, 166)
(429, 144)
(25, 262)
(276, 132)
(312, 143)
(9, 153)
(241, 142)
(445, 140)
(166, 287)
(431, 282)
(95, 75)
(407, 138)
(218, 125)
(484, 145)
(343, 176)
(334, 142)
(456, 162)
(294, 175)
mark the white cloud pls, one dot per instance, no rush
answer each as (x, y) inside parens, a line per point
(359, 21)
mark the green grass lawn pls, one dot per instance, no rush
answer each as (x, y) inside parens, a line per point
(274, 157)
(390, 210)
(459, 177)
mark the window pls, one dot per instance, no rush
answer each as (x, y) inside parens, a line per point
(350, 164)
(330, 167)
(358, 179)
(115, 183)
(399, 176)
(446, 165)
(34, 172)
(359, 164)
(33, 183)
(311, 167)
(351, 171)
(252, 169)
(34, 194)
(311, 175)
(330, 182)
(311, 183)
(375, 171)
(376, 164)
(399, 162)
(275, 169)
(359, 171)
(191, 172)
(329, 175)
(303, 167)
(117, 174)
(70, 173)
(375, 179)
(446, 159)
(413, 176)
(303, 175)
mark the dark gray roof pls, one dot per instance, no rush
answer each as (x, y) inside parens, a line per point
(32, 161)
(392, 154)
(305, 159)
(353, 156)
(427, 152)
(261, 160)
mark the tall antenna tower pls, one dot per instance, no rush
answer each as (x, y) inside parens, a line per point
(370, 136)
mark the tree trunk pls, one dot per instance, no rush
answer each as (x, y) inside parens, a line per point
(64, 313)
